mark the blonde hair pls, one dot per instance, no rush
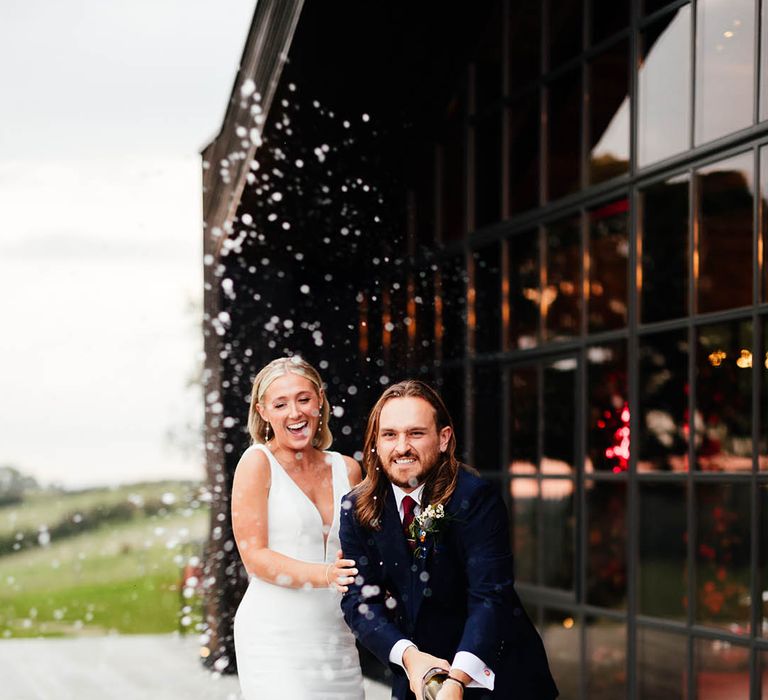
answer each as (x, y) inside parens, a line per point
(257, 426)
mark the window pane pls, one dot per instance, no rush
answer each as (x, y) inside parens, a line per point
(453, 184)
(664, 87)
(556, 541)
(725, 238)
(564, 135)
(764, 70)
(524, 416)
(721, 670)
(451, 388)
(562, 639)
(661, 665)
(524, 290)
(524, 42)
(565, 31)
(762, 367)
(723, 426)
(487, 416)
(524, 519)
(651, 6)
(453, 281)
(608, 428)
(663, 537)
(608, 266)
(606, 659)
(523, 117)
(608, 18)
(606, 544)
(488, 157)
(561, 298)
(559, 439)
(723, 556)
(764, 212)
(609, 113)
(662, 443)
(488, 298)
(763, 673)
(488, 57)
(664, 234)
(763, 565)
(725, 47)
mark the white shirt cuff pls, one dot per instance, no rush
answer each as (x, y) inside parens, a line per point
(397, 651)
(481, 675)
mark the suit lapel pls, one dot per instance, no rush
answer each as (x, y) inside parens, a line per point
(390, 541)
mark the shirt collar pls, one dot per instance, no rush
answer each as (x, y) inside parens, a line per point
(400, 495)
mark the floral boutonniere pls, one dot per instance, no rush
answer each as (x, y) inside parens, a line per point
(430, 521)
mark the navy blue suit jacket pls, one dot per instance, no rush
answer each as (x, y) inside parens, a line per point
(458, 597)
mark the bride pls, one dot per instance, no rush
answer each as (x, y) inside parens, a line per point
(290, 638)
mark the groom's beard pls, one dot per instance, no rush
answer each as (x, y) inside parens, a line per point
(414, 476)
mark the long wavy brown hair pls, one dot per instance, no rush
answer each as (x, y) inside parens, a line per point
(440, 483)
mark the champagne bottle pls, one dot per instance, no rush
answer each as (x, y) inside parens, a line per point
(433, 681)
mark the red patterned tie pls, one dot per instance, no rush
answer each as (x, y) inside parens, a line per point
(408, 515)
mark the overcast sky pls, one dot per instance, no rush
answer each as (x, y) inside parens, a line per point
(104, 108)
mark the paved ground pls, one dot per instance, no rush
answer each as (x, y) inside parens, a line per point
(161, 667)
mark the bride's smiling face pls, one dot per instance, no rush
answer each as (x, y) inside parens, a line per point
(291, 405)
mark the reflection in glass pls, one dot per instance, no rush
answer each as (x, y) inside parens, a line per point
(608, 436)
(524, 290)
(606, 543)
(558, 444)
(609, 113)
(565, 31)
(723, 556)
(561, 295)
(663, 537)
(723, 419)
(662, 442)
(487, 287)
(561, 637)
(607, 18)
(664, 235)
(556, 542)
(725, 234)
(606, 659)
(486, 418)
(453, 286)
(564, 134)
(762, 660)
(661, 663)
(523, 117)
(524, 42)
(487, 194)
(651, 6)
(664, 86)
(725, 67)
(525, 493)
(721, 670)
(608, 252)
(524, 417)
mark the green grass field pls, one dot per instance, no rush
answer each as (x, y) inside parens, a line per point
(119, 577)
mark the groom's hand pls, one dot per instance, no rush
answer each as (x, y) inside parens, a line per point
(341, 573)
(417, 663)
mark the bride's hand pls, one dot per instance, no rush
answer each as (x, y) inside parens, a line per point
(341, 573)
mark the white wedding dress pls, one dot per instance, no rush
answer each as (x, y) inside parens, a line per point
(293, 643)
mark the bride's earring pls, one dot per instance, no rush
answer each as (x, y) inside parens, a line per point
(266, 432)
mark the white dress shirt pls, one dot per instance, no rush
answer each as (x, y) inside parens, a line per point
(481, 675)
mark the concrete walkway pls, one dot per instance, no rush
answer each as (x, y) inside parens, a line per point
(161, 667)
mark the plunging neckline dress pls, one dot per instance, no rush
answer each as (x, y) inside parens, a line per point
(293, 642)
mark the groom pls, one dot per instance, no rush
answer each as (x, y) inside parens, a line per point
(435, 585)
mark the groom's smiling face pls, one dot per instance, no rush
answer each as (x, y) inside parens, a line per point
(408, 442)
